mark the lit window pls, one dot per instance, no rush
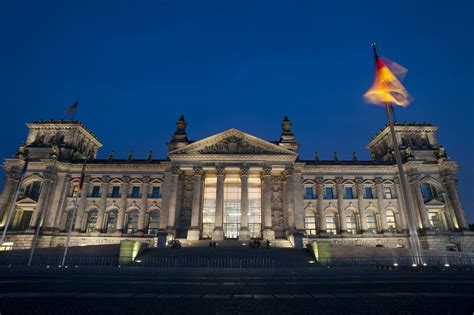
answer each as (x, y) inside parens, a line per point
(435, 221)
(331, 223)
(371, 223)
(310, 222)
(232, 207)
(132, 222)
(351, 225)
(390, 218)
(111, 222)
(387, 192)
(349, 192)
(155, 192)
(91, 221)
(308, 193)
(209, 207)
(368, 192)
(69, 219)
(255, 207)
(329, 193)
(153, 222)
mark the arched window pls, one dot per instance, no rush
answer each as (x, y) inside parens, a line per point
(91, 221)
(153, 222)
(111, 222)
(310, 222)
(390, 218)
(351, 223)
(429, 192)
(371, 223)
(33, 190)
(331, 223)
(132, 222)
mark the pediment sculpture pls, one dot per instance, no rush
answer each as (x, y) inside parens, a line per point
(233, 145)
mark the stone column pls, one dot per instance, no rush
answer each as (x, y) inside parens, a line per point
(340, 204)
(380, 205)
(43, 199)
(218, 233)
(82, 204)
(244, 233)
(319, 205)
(175, 171)
(298, 194)
(402, 222)
(360, 205)
(144, 205)
(268, 232)
(194, 231)
(8, 191)
(290, 200)
(57, 199)
(165, 199)
(415, 184)
(123, 204)
(453, 195)
(448, 212)
(104, 190)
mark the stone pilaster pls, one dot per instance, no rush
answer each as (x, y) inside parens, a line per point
(290, 200)
(360, 204)
(268, 232)
(104, 190)
(218, 233)
(194, 232)
(244, 233)
(402, 217)
(144, 205)
(319, 205)
(448, 212)
(453, 195)
(340, 204)
(175, 171)
(123, 204)
(55, 206)
(380, 205)
(165, 199)
(298, 194)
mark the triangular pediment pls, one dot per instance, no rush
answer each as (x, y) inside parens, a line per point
(25, 201)
(232, 142)
(434, 202)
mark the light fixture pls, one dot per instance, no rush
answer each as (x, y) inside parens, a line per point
(138, 261)
(395, 264)
(413, 265)
(446, 265)
(425, 264)
(311, 261)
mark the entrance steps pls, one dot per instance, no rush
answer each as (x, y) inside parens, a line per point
(280, 243)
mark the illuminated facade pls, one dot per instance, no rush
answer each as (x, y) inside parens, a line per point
(232, 185)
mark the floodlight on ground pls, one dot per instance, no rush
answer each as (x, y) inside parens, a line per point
(138, 261)
(243, 244)
(395, 264)
(446, 265)
(413, 265)
(47, 266)
(425, 264)
(76, 266)
(311, 261)
(83, 244)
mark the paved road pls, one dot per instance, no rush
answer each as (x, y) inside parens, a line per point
(322, 292)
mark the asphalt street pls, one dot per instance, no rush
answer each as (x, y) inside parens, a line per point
(234, 292)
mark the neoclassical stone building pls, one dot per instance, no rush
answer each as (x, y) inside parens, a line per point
(232, 185)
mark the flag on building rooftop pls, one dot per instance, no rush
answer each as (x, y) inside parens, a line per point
(387, 87)
(72, 109)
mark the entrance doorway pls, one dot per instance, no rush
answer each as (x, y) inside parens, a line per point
(231, 230)
(231, 207)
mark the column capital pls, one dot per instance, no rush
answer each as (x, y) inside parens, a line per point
(378, 180)
(106, 179)
(220, 170)
(413, 178)
(447, 178)
(319, 180)
(289, 171)
(175, 170)
(126, 179)
(244, 171)
(267, 171)
(198, 171)
(339, 180)
(146, 179)
(359, 180)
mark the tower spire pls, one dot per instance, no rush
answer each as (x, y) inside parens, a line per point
(179, 138)
(287, 138)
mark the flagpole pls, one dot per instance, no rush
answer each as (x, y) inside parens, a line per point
(73, 219)
(414, 239)
(13, 202)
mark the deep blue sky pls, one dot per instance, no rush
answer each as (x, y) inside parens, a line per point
(244, 64)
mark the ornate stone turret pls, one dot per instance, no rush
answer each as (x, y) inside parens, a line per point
(60, 139)
(179, 138)
(287, 139)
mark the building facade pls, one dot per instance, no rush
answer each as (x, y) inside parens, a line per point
(231, 185)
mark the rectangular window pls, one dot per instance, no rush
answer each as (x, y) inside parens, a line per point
(426, 191)
(135, 192)
(209, 207)
(387, 192)
(115, 192)
(329, 193)
(95, 191)
(308, 193)
(368, 192)
(155, 192)
(255, 207)
(349, 193)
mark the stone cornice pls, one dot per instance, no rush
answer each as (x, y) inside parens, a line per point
(64, 125)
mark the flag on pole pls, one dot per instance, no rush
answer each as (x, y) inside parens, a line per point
(387, 87)
(72, 109)
(83, 173)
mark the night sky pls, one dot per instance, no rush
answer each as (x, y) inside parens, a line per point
(135, 67)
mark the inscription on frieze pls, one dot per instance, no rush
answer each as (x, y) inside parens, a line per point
(233, 145)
